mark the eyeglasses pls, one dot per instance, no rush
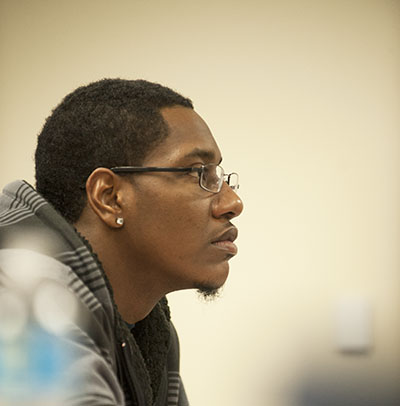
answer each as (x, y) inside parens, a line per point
(211, 176)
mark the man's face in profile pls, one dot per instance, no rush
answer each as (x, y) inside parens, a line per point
(177, 231)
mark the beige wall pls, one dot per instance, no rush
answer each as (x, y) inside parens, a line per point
(303, 98)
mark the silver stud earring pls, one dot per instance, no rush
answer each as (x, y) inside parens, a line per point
(119, 221)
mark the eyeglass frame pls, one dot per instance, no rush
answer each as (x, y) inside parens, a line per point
(199, 170)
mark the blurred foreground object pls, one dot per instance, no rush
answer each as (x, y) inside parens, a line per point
(37, 315)
(349, 376)
(338, 387)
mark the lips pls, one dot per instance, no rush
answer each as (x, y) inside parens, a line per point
(225, 241)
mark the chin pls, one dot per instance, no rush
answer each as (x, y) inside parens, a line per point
(211, 287)
(209, 294)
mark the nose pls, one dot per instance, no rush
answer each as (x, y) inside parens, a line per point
(226, 204)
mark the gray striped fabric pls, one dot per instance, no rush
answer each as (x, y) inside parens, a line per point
(25, 219)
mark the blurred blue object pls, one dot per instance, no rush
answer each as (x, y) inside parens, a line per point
(32, 367)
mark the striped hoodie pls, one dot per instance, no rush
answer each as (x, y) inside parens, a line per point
(111, 365)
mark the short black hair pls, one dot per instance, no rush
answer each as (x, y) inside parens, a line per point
(111, 122)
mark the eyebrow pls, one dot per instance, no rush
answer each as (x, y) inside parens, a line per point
(204, 154)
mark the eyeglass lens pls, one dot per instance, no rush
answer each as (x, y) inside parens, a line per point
(212, 177)
(233, 180)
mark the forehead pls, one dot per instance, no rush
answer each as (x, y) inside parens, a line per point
(189, 140)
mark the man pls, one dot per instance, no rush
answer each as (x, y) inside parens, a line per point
(133, 204)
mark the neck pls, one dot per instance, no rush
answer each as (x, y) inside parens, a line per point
(135, 291)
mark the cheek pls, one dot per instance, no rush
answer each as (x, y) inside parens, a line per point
(176, 223)
(185, 223)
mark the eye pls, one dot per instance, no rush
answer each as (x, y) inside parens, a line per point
(196, 173)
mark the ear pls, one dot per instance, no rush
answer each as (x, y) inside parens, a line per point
(104, 191)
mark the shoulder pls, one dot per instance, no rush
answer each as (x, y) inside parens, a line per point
(49, 311)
